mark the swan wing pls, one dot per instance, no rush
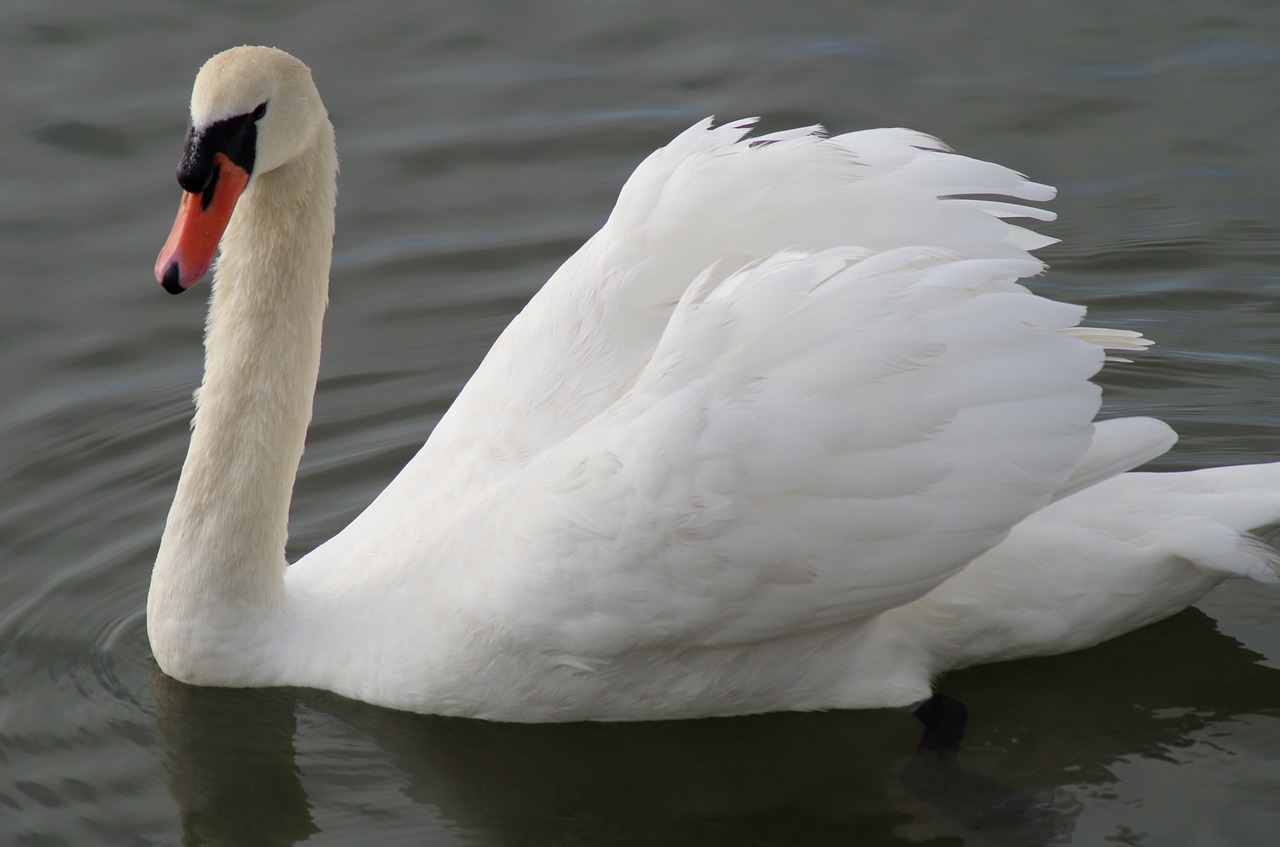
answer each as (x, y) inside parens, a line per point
(815, 439)
(1118, 445)
(712, 195)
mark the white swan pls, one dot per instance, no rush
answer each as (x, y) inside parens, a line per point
(734, 457)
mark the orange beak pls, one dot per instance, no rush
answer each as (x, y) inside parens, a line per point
(202, 218)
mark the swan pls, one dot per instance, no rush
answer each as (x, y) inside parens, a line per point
(787, 433)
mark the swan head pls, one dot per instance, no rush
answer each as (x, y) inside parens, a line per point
(253, 109)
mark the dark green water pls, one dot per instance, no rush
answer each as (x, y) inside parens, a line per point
(481, 143)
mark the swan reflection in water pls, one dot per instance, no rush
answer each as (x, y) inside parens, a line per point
(1044, 732)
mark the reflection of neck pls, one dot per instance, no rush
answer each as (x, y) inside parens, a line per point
(215, 736)
(221, 561)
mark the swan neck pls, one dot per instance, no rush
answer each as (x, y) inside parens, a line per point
(223, 546)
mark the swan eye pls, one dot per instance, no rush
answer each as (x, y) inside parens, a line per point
(260, 111)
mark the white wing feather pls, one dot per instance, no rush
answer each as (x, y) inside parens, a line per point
(707, 198)
(831, 421)
(1118, 445)
(816, 439)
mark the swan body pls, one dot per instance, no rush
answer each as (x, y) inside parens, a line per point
(788, 433)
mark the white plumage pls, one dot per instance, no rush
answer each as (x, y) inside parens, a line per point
(787, 433)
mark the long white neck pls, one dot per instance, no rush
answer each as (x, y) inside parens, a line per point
(218, 584)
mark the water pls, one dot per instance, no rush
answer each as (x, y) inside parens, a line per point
(481, 143)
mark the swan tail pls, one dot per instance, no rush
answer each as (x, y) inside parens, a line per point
(1254, 558)
(1109, 559)
(1223, 519)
